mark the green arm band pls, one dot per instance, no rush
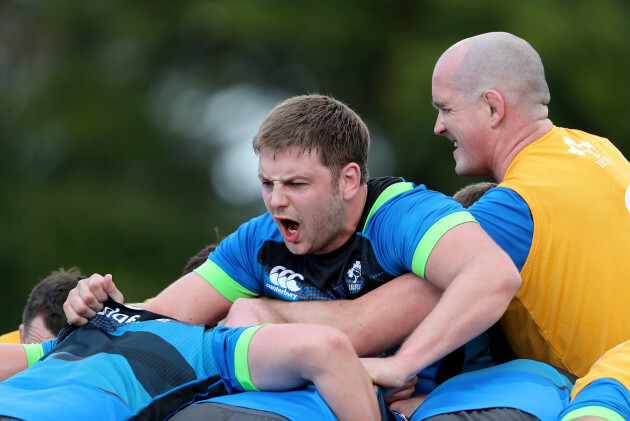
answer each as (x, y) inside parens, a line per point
(432, 236)
(226, 286)
(241, 365)
(593, 411)
(33, 353)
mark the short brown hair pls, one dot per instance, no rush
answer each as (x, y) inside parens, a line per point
(198, 259)
(47, 298)
(469, 194)
(320, 123)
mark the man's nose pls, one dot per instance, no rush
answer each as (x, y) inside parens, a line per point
(278, 197)
(439, 128)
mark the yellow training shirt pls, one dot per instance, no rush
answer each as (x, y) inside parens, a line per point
(573, 304)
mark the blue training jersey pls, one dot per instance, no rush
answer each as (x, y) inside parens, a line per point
(124, 364)
(400, 225)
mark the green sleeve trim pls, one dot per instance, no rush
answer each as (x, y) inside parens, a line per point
(593, 411)
(388, 193)
(226, 286)
(241, 364)
(432, 236)
(33, 353)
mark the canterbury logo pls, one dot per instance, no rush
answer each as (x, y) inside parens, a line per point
(285, 278)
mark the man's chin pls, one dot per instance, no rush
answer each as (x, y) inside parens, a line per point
(463, 171)
(295, 248)
(467, 172)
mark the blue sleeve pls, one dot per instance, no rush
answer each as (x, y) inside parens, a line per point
(506, 217)
(233, 268)
(34, 352)
(604, 398)
(409, 225)
(48, 345)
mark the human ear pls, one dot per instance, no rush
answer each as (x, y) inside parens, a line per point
(21, 331)
(496, 106)
(350, 180)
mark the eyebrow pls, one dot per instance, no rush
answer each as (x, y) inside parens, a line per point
(288, 179)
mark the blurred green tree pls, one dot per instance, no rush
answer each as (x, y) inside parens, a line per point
(106, 144)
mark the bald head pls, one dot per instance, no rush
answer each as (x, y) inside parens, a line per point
(500, 61)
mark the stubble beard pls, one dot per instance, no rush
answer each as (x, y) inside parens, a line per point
(325, 226)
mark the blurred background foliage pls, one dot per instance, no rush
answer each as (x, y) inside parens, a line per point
(125, 127)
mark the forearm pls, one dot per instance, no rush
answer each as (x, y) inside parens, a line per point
(461, 314)
(374, 322)
(190, 299)
(251, 312)
(465, 311)
(478, 284)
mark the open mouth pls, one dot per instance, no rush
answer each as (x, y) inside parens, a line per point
(291, 226)
(291, 229)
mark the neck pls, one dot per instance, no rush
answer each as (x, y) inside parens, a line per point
(354, 210)
(357, 205)
(525, 136)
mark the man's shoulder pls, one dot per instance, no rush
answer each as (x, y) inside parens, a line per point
(381, 189)
(379, 184)
(500, 202)
(262, 225)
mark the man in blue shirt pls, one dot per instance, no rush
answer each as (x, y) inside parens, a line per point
(332, 236)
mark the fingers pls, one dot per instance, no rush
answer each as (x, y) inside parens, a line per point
(385, 371)
(111, 290)
(407, 407)
(87, 298)
(403, 392)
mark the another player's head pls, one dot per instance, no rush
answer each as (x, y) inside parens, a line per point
(469, 194)
(43, 316)
(486, 89)
(198, 259)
